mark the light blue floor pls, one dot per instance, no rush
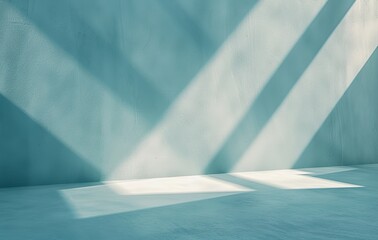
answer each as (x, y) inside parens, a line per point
(324, 203)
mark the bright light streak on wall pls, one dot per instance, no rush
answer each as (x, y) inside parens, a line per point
(312, 99)
(211, 106)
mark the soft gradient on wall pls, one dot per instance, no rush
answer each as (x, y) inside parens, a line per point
(95, 90)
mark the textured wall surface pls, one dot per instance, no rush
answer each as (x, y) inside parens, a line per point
(94, 89)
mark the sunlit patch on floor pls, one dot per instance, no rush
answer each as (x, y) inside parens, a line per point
(131, 195)
(291, 179)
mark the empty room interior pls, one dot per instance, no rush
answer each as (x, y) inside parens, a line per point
(188, 119)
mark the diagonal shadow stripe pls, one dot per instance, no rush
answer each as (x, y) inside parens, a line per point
(242, 182)
(180, 16)
(280, 84)
(64, 24)
(96, 55)
(349, 135)
(30, 155)
(205, 38)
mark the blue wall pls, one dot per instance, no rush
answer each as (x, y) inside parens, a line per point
(94, 90)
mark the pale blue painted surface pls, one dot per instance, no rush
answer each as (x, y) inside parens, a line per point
(83, 83)
(350, 133)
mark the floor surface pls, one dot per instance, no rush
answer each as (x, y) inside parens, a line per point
(317, 203)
